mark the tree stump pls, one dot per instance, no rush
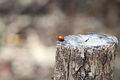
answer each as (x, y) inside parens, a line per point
(87, 56)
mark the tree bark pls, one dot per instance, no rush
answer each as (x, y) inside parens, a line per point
(78, 59)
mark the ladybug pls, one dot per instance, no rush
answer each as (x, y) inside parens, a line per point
(61, 38)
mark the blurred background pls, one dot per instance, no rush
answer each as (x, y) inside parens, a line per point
(29, 30)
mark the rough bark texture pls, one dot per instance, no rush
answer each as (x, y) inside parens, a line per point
(85, 63)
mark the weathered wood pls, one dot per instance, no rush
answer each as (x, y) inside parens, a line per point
(85, 57)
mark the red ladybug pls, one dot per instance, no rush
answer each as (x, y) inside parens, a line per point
(61, 38)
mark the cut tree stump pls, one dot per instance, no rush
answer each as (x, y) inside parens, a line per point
(87, 56)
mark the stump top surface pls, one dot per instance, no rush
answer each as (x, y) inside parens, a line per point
(88, 40)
